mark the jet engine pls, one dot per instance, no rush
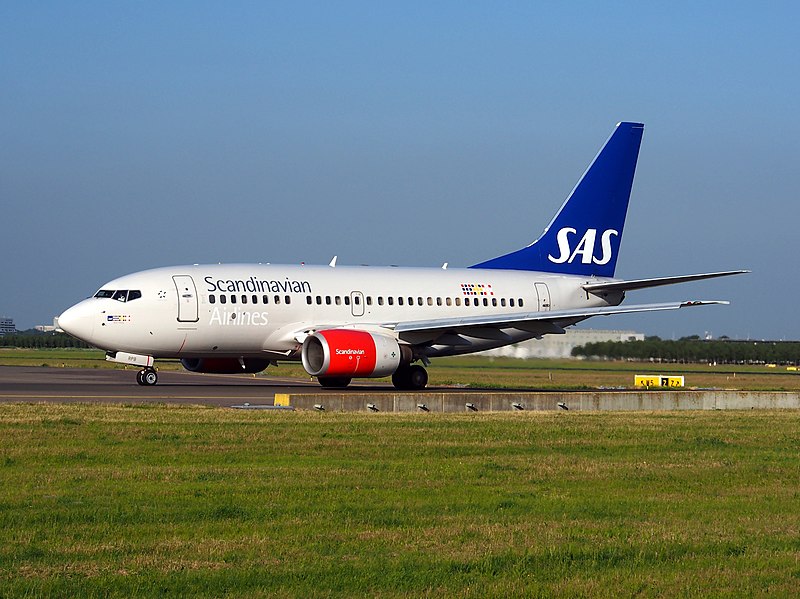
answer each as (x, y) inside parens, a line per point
(350, 353)
(225, 365)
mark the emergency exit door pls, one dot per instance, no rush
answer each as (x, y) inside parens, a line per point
(357, 303)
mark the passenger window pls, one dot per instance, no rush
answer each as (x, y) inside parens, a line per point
(233, 299)
(485, 301)
(466, 301)
(511, 302)
(357, 300)
(309, 300)
(380, 300)
(244, 299)
(369, 300)
(438, 301)
(390, 299)
(399, 301)
(503, 302)
(212, 299)
(346, 300)
(287, 300)
(265, 299)
(319, 300)
(327, 300)
(223, 299)
(338, 300)
(458, 301)
(494, 302)
(255, 299)
(520, 302)
(448, 301)
(277, 299)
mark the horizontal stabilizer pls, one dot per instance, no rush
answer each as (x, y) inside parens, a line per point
(658, 282)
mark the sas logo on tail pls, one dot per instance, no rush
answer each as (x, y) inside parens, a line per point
(585, 248)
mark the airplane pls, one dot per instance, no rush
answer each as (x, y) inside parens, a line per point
(346, 322)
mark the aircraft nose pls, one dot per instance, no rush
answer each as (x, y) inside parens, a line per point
(78, 321)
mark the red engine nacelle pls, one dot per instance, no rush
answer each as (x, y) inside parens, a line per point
(225, 365)
(349, 353)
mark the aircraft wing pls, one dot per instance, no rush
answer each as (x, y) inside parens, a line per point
(490, 326)
(645, 283)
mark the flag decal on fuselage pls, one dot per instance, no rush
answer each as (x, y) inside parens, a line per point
(476, 289)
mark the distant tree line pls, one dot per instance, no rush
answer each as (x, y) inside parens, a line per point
(36, 339)
(694, 349)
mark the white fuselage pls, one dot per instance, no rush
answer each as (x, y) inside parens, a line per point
(370, 322)
(257, 310)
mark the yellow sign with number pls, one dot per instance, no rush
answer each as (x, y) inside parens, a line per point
(657, 380)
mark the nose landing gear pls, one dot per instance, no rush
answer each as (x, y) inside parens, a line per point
(147, 377)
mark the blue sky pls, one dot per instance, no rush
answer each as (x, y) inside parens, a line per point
(146, 134)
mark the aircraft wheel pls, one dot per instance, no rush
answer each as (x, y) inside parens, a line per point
(149, 377)
(410, 377)
(334, 382)
(140, 377)
(400, 378)
(417, 377)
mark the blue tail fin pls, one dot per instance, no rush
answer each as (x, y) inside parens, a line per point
(584, 237)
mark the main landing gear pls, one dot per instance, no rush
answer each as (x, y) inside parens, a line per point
(334, 382)
(407, 378)
(147, 377)
(410, 377)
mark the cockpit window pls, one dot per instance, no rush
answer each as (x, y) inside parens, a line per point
(121, 295)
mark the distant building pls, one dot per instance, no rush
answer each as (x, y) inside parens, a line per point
(560, 346)
(7, 326)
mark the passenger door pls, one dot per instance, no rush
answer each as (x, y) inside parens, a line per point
(544, 296)
(187, 298)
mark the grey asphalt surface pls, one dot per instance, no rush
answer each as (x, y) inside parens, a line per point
(35, 384)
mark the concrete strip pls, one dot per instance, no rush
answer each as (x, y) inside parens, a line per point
(454, 402)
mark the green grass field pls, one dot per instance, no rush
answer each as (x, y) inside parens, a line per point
(119, 501)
